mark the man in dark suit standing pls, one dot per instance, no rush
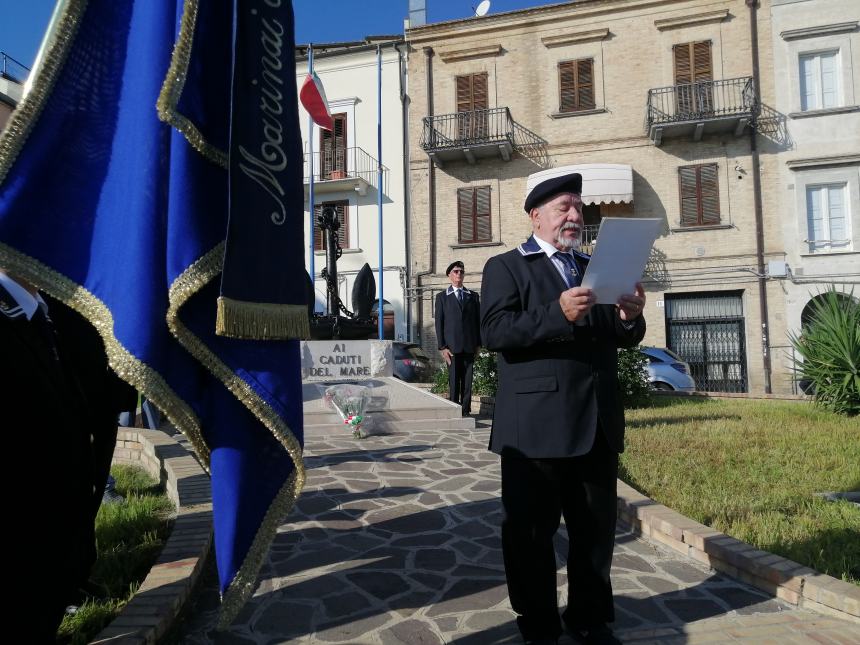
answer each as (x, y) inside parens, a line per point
(458, 333)
(59, 402)
(558, 423)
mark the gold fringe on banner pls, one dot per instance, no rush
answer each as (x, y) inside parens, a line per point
(128, 367)
(194, 278)
(261, 320)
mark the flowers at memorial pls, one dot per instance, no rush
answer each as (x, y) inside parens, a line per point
(350, 402)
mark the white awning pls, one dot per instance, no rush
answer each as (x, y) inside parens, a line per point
(602, 183)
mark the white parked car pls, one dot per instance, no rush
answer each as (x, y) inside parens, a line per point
(667, 371)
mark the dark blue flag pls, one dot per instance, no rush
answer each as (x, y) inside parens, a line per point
(114, 193)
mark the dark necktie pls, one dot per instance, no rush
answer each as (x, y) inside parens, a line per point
(571, 275)
(460, 295)
(45, 327)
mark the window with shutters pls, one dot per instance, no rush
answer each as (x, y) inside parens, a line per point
(472, 105)
(473, 215)
(576, 85)
(700, 195)
(819, 81)
(693, 78)
(342, 208)
(333, 149)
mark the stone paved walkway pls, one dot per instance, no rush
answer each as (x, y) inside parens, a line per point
(396, 540)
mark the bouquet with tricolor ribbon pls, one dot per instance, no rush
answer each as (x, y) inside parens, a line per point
(350, 402)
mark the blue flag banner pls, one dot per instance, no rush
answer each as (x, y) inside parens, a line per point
(114, 198)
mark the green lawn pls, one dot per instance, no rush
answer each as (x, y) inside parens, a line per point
(129, 537)
(751, 470)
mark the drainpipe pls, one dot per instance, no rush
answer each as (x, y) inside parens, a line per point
(759, 220)
(404, 106)
(431, 197)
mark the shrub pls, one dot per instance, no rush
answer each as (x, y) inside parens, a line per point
(486, 379)
(829, 350)
(633, 378)
(440, 380)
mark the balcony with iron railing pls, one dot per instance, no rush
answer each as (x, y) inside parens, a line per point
(339, 169)
(696, 109)
(489, 133)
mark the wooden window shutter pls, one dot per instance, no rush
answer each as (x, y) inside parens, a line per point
(474, 219)
(693, 62)
(702, 70)
(472, 92)
(576, 85)
(333, 146)
(342, 216)
(687, 177)
(567, 86)
(465, 220)
(585, 83)
(483, 228)
(683, 68)
(480, 91)
(700, 195)
(464, 93)
(709, 190)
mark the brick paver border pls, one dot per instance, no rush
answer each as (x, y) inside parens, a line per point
(152, 610)
(788, 580)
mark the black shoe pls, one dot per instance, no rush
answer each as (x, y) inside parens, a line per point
(542, 641)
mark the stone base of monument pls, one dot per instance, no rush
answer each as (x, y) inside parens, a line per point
(395, 406)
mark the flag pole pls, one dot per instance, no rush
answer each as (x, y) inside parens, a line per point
(311, 181)
(379, 174)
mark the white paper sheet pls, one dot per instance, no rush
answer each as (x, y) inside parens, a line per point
(620, 254)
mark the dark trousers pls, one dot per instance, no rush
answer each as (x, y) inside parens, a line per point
(535, 494)
(460, 380)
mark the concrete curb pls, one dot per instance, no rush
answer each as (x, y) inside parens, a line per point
(783, 578)
(152, 610)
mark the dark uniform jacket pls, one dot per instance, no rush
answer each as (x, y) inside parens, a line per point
(59, 405)
(556, 378)
(458, 327)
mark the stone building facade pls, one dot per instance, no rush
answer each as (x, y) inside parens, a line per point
(662, 89)
(816, 192)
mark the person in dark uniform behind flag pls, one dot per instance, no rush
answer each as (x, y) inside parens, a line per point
(458, 334)
(558, 422)
(60, 400)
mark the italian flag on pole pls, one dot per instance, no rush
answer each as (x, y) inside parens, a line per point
(312, 96)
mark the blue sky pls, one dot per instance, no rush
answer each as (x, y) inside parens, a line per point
(22, 22)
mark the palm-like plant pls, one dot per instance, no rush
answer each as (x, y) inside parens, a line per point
(829, 351)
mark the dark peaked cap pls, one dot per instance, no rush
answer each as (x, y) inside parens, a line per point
(455, 263)
(570, 183)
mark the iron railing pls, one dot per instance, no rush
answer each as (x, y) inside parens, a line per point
(589, 237)
(343, 163)
(477, 127)
(701, 101)
(707, 331)
(13, 69)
